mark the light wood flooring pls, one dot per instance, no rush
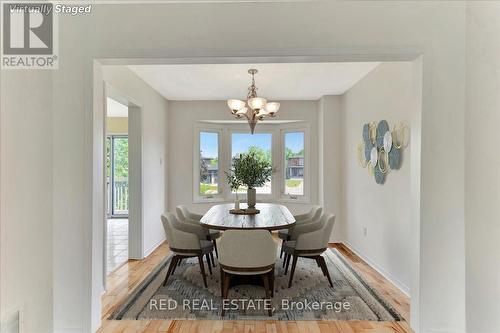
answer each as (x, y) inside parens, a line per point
(124, 279)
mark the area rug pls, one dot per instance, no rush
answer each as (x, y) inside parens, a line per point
(309, 298)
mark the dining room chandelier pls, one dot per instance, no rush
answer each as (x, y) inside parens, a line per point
(255, 108)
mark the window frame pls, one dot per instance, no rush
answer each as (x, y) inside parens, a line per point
(241, 130)
(277, 131)
(197, 196)
(305, 197)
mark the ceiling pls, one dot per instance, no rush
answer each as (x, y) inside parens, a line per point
(115, 109)
(278, 81)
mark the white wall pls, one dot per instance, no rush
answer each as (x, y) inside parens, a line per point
(482, 168)
(375, 31)
(185, 115)
(25, 199)
(331, 156)
(154, 149)
(384, 210)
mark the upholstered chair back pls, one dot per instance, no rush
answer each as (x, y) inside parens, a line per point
(176, 238)
(328, 228)
(317, 210)
(247, 248)
(182, 213)
(319, 238)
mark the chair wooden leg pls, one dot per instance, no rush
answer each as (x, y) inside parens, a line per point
(221, 282)
(225, 289)
(294, 264)
(324, 268)
(180, 260)
(285, 259)
(271, 278)
(209, 264)
(287, 263)
(215, 247)
(265, 280)
(282, 251)
(202, 268)
(173, 263)
(212, 257)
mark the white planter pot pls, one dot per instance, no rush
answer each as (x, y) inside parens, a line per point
(251, 197)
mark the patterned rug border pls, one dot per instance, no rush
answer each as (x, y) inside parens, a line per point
(139, 290)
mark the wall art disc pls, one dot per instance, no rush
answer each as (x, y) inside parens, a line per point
(368, 150)
(379, 176)
(395, 158)
(374, 156)
(366, 133)
(382, 128)
(388, 141)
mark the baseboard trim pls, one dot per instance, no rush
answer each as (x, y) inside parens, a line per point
(401, 286)
(154, 247)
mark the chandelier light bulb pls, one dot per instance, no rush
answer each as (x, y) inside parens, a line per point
(235, 104)
(257, 103)
(272, 108)
(242, 111)
(262, 113)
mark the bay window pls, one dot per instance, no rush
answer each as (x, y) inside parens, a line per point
(208, 175)
(258, 143)
(284, 146)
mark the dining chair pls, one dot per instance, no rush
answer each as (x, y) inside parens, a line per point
(189, 217)
(313, 215)
(247, 252)
(184, 244)
(310, 245)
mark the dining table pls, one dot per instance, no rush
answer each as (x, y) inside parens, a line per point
(271, 217)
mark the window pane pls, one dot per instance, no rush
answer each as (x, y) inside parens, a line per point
(209, 163)
(120, 175)
(294, 163)
(260, 144)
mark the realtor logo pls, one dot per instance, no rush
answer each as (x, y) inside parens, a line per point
(28, 36)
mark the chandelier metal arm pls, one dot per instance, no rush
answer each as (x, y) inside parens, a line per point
(256, 108)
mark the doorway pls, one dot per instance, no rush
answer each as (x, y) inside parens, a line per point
(117, 185)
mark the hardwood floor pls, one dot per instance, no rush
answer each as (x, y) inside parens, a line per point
(124, 279)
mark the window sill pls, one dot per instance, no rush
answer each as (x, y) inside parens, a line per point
(209, 200)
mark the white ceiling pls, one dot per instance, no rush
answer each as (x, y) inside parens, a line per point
(279, 81)
(115, 109)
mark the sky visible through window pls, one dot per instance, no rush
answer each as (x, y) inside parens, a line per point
(242, 141)
(295, 141)
(209, 144)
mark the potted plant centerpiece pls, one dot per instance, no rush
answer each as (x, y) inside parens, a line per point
(250, 171)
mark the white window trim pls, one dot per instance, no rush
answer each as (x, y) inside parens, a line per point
(237, 130)
(304, 198)
(197, 197)
(225, 132)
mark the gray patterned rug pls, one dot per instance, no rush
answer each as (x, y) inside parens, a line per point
(309, 298)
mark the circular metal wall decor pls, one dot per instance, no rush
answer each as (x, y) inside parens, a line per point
(395, 158)
(366, 133)
(374, 157)
(379, 176)
(368, 150)
(382, 148)
(382, 128)
(388, 141)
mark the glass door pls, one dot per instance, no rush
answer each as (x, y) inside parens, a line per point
(117, 175)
